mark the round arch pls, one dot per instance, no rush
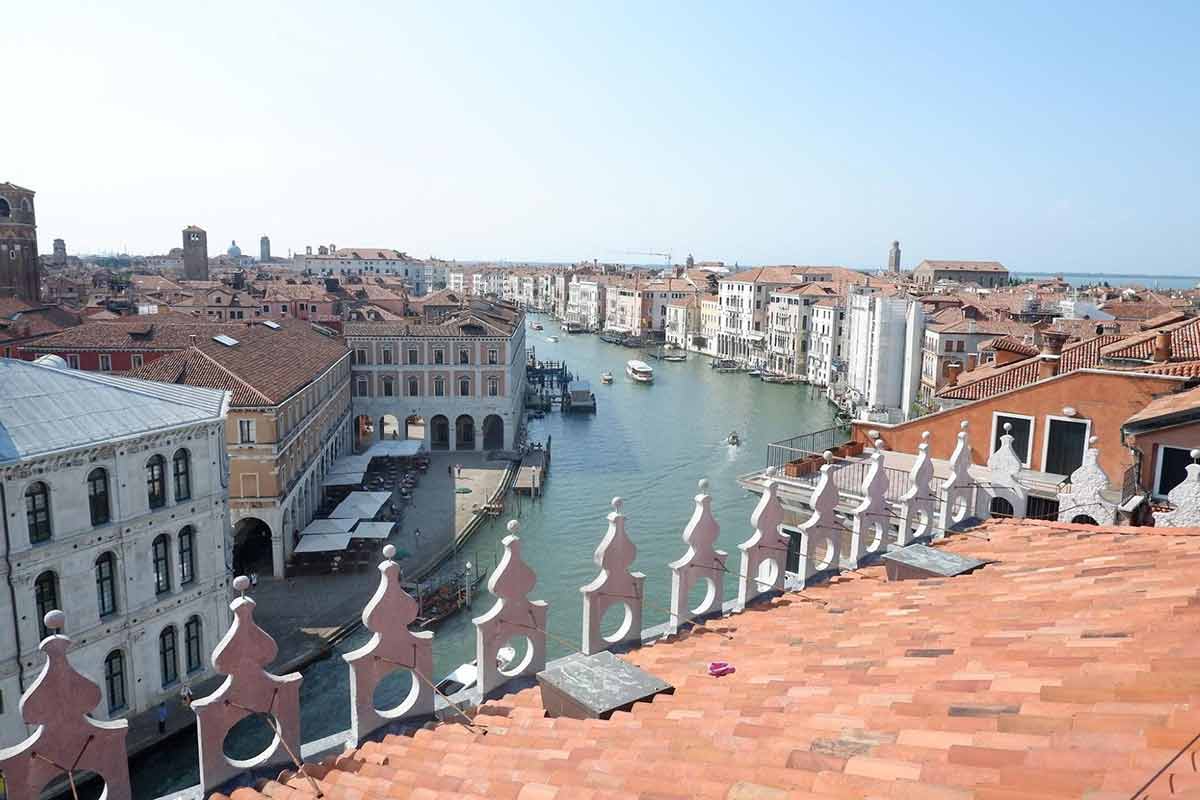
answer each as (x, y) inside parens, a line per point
(1084, 519)
(389, 427)
(252, 549)
(414, 427)
(1001, 507)
(493, 432)
(364, 432)
(464, 432)
(439, 433)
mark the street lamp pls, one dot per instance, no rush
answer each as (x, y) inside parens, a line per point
(468, 599)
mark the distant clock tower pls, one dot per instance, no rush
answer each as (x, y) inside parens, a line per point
(195, 254)
(19, 270)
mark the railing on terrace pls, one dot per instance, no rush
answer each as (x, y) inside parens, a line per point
(803, 467)
(816, 442)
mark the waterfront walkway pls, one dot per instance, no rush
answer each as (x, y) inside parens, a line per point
(305, 615)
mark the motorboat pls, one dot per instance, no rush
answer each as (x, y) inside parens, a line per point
(573, 327)
(640, 371)
(466, 675)
(733, 440)
(755, 373)
(675, 356)
(724, 365)
(551, 338)
(606, 377)
(537, 326)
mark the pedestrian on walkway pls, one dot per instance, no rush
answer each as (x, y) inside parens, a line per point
(162, 717)
(186, 695)
(450, 470)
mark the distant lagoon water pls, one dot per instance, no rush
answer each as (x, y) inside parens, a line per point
(1093, 278)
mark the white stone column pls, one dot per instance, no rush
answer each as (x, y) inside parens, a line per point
(1005, 467)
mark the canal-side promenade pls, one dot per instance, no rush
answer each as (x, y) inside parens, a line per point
(306, 615)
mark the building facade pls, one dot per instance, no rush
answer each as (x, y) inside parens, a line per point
(826, 366)
(458, 384)
(20, 270)
(119, 519)
(988, 274)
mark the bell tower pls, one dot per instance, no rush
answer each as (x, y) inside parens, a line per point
(195, 254)
(19, 270)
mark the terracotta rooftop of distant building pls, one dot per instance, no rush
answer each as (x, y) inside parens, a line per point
(368, 253)
(1185, 343)
(997, 327)
(1009, 344)
(1064, 668)
(963, 266)
(1166, 318)
(1137, 310)
(265, 367)
(477, 318)
(1080, 355)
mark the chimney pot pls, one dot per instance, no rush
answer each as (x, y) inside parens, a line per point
(1162, 346)
(952, 372)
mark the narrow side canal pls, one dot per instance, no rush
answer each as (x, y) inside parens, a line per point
(648, 444)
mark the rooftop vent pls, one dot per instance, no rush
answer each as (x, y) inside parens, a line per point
(228, 341)
(272, 325)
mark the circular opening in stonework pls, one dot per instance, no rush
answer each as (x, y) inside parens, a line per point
(922, 524)
(515, 656)
(958, 509)
(702, 595)
(93, 788)
(395, 693)
(768, 574)
(251, 740)
(828, 554)
(876, 531)
(616, 622)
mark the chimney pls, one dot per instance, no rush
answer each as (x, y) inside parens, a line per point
(1162, 346)
(1052, 345)
(953, 369)
(972, 361)
(192, 340)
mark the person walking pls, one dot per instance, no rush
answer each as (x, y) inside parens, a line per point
(185, 694)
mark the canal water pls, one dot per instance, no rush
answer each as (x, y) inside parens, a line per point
(648, 444)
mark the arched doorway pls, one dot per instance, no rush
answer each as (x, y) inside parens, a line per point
(439, 433)
(1001, 507)
(389, 427)
(414, 428)
(252, 550)
(464, 433)
(1083, 519)
(493, 432)
(364, 432)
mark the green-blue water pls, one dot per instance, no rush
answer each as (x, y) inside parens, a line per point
(646, 444)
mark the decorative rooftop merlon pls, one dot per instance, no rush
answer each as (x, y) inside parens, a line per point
(917, 504)
(614, 585)
(764, 554)
(872, 517)
(1185, 497)
(701, 562)
(67, 741)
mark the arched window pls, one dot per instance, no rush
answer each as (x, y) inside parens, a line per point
(156, 485)
(412, 387)
(464, 386)
(162, 564)
(181, 466)
(114, 680)
(168, 655)
(187, 556)
(45, 593)
(37, 512)
(439, 386)
(193, 645)
(106, 584)
(98, 495)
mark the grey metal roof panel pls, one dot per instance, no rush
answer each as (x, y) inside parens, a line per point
(44, 409)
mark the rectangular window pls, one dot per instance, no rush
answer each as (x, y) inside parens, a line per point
(412, 356)
(105, 362)
(136, 360)
(1171, 468)
(1022, 433)
(387, 355)
(360, 387)
(156, 482)
(439, 356)
(464, 357)
(162, 566)
(191, 639)
(73, 361)
(360, 356)
(246, 431)
(187, 558)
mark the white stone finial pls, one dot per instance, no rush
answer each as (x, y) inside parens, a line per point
(916, 505)
(1092, 440)
(240, 584)
(924, 436)
(55, 620)
(387, 615)
(1195, 454)
(1008, 427)
(964, 424)
(872, 434)
(513, 527)
(389, 551)
(828, 456)
(879, 444)
(617, 504)
(702, 484)
(58, 706)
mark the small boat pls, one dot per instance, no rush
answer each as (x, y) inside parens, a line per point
(612, 337)
(725, 365)
(734, 440)
(537, 326)
(573, 327)
(466, 675)
(606, 377)
(640, 371)
(755, 373)
(579, 397)
(675, 356)
(551, 338)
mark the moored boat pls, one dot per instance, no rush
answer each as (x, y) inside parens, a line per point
(640, 371)
(466, 675)
(606, 377)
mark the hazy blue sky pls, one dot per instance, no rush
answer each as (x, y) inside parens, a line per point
(1056, 136)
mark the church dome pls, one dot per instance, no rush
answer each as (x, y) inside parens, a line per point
(234, 250)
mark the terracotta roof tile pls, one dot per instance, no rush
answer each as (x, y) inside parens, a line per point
(964, 266)
(1080, 355)
(1065, 668)
(1009, 344)
(1167, 408)
(1185, 343)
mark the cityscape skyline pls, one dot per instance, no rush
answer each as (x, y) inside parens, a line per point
(770, 136)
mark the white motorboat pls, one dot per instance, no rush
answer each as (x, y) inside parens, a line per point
(606, 377)
(640, 371)
(466, 675)
(551, 338)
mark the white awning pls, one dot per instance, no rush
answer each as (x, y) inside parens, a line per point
(319, 526)
(360, 505)
(323, 543)
(373, 530)
(347, 471)
(395, 448)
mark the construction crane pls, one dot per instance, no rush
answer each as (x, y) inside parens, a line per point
(665, 256)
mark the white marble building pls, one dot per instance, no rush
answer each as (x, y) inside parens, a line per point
(115, 510)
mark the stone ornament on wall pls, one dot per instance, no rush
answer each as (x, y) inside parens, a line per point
(1186, 499)
(917, 505)
(391, 647)
(701, 562)
(1085, 495)
(821, 534)
(872, 517)
(958, 493)
(764, 554)
(1005, 467)
(67, 741)
(614, 585)
(242, 656)
(513, 616)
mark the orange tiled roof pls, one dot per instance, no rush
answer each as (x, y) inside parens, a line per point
(963, 266)
(1067, 667)
(1185, 343)
(1009, 344)
(1167, 409)
(1080, 355)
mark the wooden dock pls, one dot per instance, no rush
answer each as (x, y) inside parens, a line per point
(535, 468)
